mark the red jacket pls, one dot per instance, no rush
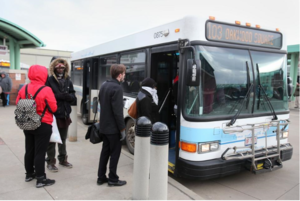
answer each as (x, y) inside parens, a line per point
(38, 76)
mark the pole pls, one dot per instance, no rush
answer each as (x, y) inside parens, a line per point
(159, 151)
(72, 132)
(141, 159)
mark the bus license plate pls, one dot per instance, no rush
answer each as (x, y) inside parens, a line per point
(248, 141)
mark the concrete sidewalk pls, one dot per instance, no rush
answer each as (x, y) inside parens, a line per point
(78, 183)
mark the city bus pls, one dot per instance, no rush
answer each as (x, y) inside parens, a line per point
(222, 89)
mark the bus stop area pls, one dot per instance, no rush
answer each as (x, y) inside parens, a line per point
(78, 183)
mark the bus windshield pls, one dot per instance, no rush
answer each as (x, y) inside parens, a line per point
(227, 77)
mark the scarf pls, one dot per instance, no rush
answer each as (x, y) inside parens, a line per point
(153, 93)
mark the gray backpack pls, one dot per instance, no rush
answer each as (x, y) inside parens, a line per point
(26, 116)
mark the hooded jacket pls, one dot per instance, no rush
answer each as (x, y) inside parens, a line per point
(5, 83)
(146, 106)
(45, 98)
(64, 96)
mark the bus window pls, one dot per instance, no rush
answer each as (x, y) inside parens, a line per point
(77, 73)
(105, 64)
(271, 68)
(223, 83)
(135, 71)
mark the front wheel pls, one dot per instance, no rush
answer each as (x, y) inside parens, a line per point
(130, 135)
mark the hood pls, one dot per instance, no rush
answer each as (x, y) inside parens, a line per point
(38, 74)
(3, 72)
(55, 62)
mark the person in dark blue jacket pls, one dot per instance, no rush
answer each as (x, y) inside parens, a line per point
(112, 125)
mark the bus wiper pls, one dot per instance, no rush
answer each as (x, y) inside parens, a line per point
(241, 107)
(265, 95)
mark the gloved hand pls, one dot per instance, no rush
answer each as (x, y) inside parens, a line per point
(59, 97)
(122, 135)
(68, 97)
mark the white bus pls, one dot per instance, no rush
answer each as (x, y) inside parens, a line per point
(232, 101)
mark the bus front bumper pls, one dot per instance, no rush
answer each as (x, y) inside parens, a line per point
(203, 170)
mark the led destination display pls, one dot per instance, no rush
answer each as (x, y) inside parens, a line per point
(242, 35)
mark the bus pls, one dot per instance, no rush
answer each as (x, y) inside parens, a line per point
(231, 109)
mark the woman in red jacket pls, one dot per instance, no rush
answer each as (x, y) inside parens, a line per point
(36, 141)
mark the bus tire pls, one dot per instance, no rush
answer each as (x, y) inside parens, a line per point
(83, 116)
(130, 135)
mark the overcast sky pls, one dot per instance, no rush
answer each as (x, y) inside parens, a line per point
(78, 24)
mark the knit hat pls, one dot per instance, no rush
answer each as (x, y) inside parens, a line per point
(148, 82)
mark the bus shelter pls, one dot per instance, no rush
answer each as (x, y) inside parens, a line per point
(13, 38)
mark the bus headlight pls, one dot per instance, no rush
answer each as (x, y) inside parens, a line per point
(208, 147)
(285, 134)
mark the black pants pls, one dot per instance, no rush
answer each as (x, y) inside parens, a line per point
(36, 143)
(4, 99)
(111, 148)
(62, 149)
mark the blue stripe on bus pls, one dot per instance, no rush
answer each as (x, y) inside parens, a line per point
(215, 134)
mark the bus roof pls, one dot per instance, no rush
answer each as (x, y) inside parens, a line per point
(183, 28)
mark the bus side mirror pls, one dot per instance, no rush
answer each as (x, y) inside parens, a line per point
(193, 72)
(95, 105)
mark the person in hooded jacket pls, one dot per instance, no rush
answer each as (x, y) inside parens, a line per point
(36, 141)
(64, 92)
(147, 100)
(6, 85)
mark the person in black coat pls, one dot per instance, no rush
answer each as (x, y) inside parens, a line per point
(147, 100)
(64, 92)
(112, 125)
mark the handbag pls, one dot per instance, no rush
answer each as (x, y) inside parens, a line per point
(93, 132)
(132, 111)
(95, 135)
(55, 136)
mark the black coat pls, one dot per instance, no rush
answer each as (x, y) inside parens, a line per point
(146, 106)
(64, 97)
(111, 107)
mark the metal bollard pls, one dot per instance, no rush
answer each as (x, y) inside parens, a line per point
(72, 132)
(141, 159)
(159, 151)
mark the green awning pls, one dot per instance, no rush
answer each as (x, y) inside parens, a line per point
(20, 35)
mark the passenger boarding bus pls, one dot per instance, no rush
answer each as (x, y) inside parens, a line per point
(231, 109)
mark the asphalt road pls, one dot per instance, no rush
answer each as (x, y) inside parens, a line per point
(282, 184)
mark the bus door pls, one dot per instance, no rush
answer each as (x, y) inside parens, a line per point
(89, 89)
(164, 69)
(85, 91)
(94, 90)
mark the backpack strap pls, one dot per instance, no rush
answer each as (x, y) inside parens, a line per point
(36, 93)
(26, 92)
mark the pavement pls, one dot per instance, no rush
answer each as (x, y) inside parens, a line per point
(78, 183)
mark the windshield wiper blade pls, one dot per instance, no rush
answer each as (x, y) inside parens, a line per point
(240, 109)
(265, 96)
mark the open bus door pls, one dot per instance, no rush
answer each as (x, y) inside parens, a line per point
(164, 70)
(89, 89)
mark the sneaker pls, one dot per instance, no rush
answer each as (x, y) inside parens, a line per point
(52, 168)
(65, 163)
(43, 181)
(29, 177)
(117, 183)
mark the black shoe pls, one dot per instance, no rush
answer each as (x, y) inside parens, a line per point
(43, 181)
(29, 177)
(102, 181)
(117, 183)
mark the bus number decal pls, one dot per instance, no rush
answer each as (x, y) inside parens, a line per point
(158, 34)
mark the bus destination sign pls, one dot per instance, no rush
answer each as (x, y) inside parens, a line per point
(242, 35)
